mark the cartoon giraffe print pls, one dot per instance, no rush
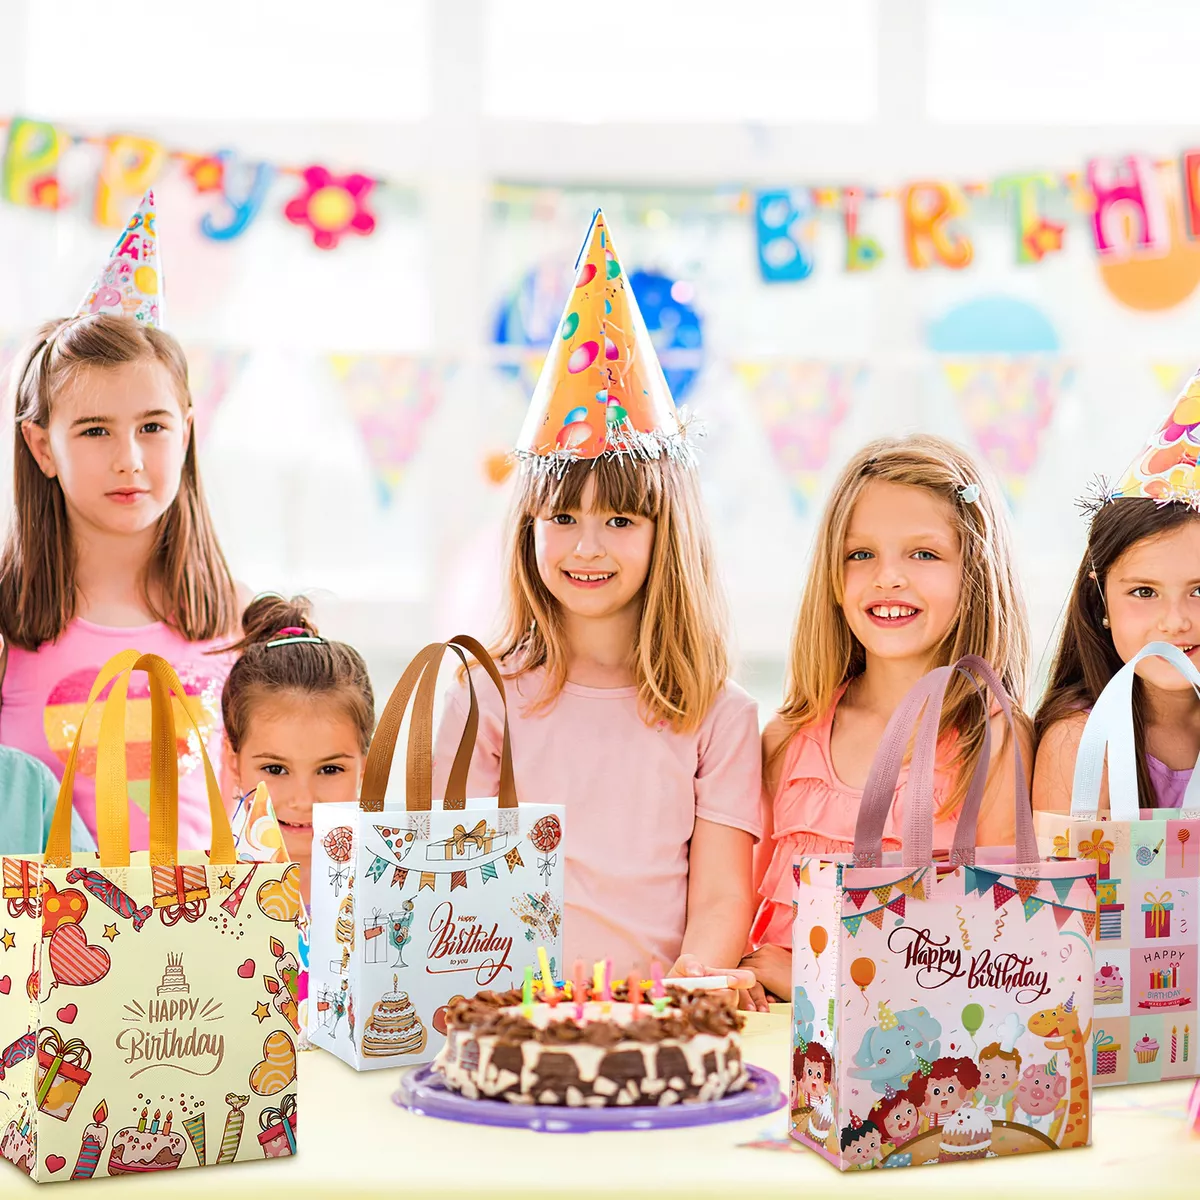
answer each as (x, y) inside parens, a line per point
(1062, 1024)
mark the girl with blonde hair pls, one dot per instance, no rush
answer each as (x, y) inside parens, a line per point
(613, 648)
(912, 569)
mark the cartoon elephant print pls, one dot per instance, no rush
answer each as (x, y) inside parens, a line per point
(803, 1012)
(888, 1056)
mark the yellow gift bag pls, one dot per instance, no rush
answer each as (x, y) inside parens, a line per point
(144, 1013)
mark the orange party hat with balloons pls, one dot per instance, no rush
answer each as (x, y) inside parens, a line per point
(130, 284)
(1166, 468)
(602, 389)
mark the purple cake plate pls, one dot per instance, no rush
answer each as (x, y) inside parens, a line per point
(422, 1092)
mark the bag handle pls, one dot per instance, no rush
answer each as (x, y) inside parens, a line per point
(112, 797)
(419, 776)
(879, 793)
(1110, 724)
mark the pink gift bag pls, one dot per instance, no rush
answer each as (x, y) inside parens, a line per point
(942, 1011)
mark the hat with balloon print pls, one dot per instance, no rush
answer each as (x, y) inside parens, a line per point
(602, 389)
(130, 282)
(1166, 468)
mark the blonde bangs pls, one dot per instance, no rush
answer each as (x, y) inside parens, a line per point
(680, 661)
(991, 621)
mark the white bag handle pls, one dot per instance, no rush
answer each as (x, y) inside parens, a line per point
(1111, 725)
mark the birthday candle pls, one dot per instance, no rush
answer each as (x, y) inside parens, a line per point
(1173, 1029)
(167, 1126)
(154, 1123)
(579, 989)
(527, 994)
(598, 981)
(608, 981)
(635, 991)
(95, 1138)
(657, 989)
(142, 1120)
(549, 991)
(1187, 1029)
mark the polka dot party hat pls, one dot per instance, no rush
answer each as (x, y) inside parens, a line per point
(130, 283)
(601, 390)
(1166, 469)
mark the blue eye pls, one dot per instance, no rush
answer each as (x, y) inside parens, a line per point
(925, 556)
(859, 556)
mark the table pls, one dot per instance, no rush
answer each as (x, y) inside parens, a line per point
(355, 1142)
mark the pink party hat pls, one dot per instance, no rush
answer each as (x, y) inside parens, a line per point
(130, 285)
(1166, 467)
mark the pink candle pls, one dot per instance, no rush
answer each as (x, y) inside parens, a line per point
(635, 990)
(579, 989)
(607, 995)
(657, 990)
(1174, 1029)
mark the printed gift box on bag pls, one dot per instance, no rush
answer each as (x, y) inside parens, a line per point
(1147, 893)
(147, 1023)
(941, 1011)
(414, 907)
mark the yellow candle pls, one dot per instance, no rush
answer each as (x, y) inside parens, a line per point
(598, 981)
(549, 991)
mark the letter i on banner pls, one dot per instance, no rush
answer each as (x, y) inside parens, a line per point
(928, 207)
(1130, 208)
(130, 166)
(30, 175)
(862, 252)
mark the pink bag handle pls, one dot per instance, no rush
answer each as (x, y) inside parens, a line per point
(881, 784)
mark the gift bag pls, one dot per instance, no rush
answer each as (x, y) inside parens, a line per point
(1148, 894)
(942, 1011)
(413, 907)
(145, 998)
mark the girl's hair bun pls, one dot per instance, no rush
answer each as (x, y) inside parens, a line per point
(269, 613)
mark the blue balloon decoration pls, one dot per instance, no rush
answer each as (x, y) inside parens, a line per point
(993, 325)
(674, 327)
(576, 414)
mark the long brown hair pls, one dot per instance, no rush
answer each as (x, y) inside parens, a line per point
(991, 620)
(680, 658)
(1086, 658)
(330, 670)
(186, 582)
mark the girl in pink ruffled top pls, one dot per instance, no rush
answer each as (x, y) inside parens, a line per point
(912, 568)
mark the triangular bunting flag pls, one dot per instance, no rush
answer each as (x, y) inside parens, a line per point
(1089, 922)
(1032, 905)
(1061, 915)
(488, 871)
(1002, 894)
(399, 875)
(897, 906)
(1062, 888)
(428, 880)
(796, 873)
(458, 879)
(875, 916)
(918, 890)
(1025, 888)
(804, 875)
(1091, 882)
(212, 371)
(513, 858)
(882, 893)
(852, 923)
(857, 897)
(377, 868)
(984, 881)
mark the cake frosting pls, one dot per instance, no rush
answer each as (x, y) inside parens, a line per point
(19, 1148)
(687, 1053)
(134, 1152)
(965, 1134)
(820, 1119)
(393, 1027)
(1108, 985)
(1146, 1049)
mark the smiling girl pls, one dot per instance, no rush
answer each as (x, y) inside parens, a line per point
(299, 713)
(111, 545)
(912, 569)
(613, 646)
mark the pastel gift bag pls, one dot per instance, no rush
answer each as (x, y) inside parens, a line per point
(137, 1011)
(941, 1010)
(414, 906)
(1148, 893)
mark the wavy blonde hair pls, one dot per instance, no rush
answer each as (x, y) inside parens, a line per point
(991, 620)
(680, 659)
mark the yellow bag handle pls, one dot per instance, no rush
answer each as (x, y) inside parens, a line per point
(112, 799)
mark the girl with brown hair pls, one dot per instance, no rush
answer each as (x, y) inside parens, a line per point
(912, 569)
(1138, 582)
(614, 650)
(111, 544)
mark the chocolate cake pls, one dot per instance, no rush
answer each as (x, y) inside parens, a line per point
(687, 1053)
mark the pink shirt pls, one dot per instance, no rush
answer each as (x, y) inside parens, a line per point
(632, 794)
(43, 697)
(814, 812)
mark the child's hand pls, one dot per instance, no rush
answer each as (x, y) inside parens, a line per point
(772, 967)
(689, 966)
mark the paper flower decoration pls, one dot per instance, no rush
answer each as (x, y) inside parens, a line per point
(207, 172)
(332, 205)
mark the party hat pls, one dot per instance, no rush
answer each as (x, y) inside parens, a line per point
(130, 284)
(601, 389)
(1166, 469)
(887, 1019)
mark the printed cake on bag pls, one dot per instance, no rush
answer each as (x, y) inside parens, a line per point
(941, 1013)
(415, 907)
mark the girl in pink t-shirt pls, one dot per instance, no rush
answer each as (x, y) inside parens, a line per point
(621, 710)
(111, 547)
(912, 568)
